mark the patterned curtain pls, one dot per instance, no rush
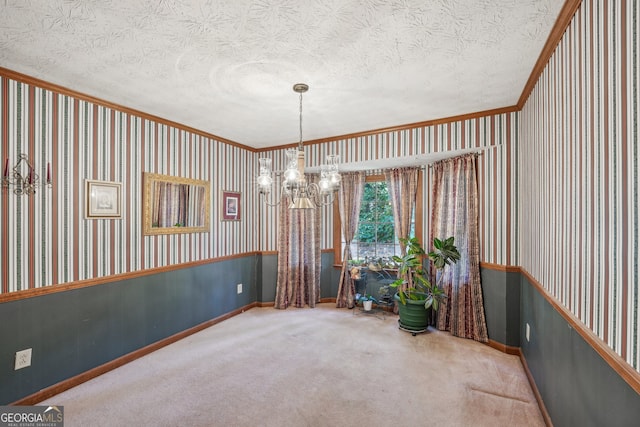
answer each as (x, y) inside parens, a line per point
(349, 200)
(455, 213)
(299, 257)
(402, 184)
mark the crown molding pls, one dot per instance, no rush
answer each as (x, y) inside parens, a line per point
(562, 22)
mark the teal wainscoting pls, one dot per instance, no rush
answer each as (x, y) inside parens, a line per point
(578, 387)
(74, 331)
(501, 296)
(329, 277)
(266, 281)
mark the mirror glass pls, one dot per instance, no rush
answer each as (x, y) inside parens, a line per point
(175, 205)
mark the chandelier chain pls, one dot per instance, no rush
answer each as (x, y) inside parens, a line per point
(300, 142)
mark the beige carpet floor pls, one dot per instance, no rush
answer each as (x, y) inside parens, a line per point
(309, 367)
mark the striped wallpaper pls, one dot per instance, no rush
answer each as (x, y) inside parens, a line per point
(578, 174)
(492, 135)
(46, 239)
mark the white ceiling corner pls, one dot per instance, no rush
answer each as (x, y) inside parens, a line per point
(228, 67)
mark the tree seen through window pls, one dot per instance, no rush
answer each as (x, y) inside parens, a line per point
(375, 239)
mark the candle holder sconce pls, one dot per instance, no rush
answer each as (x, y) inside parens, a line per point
(23, 177)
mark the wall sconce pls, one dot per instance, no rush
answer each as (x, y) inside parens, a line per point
(24, 177)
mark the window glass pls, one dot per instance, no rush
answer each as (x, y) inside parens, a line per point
(375, 239)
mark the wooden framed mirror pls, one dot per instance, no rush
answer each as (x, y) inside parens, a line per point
(175, 205)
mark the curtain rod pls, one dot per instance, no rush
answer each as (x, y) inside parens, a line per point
(380, 171)
(430, 165)
(422, 160)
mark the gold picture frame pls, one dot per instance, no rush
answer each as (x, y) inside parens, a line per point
(175, 205)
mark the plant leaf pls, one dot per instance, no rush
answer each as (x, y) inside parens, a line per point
(437, 243)
(429, 301)
(403, 299)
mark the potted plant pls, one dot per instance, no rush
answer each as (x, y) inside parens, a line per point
(367, 301)
(417, 295)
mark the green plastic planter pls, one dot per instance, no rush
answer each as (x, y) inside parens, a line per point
(413, 316)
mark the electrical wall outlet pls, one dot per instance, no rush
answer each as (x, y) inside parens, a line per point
(23, 359)
(527, 332)
(239, 288)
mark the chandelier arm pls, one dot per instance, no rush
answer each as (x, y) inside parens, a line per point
(320, 198)
(269, 203)
(284, 189)
(329, 199)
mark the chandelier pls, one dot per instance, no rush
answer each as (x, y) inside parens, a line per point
(300, 194)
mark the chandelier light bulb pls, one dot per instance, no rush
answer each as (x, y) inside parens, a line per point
(335, 178)
(264, 181)
(325, 185)
(291, 174)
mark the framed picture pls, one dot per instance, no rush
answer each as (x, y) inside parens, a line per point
(103, 199)
(230, 206)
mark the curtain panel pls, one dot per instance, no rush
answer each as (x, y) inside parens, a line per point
(402, 184)
(455, 213)
(299, 256)
(349, 201)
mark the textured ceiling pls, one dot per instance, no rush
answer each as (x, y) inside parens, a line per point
(228, 67)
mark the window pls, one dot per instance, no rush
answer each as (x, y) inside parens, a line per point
(375, 238)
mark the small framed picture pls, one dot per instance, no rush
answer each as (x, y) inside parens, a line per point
(103, 199)
(230, 206)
